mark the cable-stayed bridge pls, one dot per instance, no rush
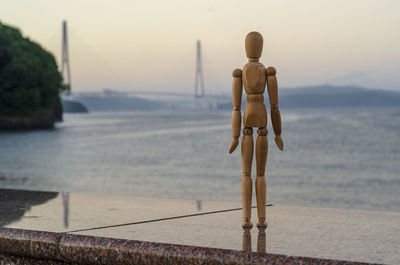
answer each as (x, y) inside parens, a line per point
(196, 101)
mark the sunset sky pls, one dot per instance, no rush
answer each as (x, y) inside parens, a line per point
(150, 45)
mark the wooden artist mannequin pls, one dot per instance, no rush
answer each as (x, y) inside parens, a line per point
(254, 77)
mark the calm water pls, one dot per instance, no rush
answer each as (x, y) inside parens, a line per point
(333, 158)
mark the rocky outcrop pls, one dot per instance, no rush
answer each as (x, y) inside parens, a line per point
(70, 106)
(38, 121)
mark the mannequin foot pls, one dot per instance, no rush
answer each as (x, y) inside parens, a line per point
(262, 223)
(246, 223)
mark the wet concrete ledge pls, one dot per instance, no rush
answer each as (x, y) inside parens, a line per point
(39, 227)
(18, 246)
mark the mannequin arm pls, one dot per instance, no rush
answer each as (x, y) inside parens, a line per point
(236, 114)
(272, 86)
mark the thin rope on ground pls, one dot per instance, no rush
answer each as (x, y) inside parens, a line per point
(160, 219)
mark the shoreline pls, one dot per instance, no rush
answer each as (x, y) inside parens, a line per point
(39, 121)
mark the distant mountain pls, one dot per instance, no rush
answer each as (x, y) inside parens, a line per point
(321, 90)
(363, 98)
(118, 103)
(327, 96)
(70, 106)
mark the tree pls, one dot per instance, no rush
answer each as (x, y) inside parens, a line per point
(29, 78)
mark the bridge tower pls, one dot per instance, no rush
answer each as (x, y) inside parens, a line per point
(65, 57)
(199, 81)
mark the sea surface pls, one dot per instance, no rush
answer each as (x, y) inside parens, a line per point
(342, 158)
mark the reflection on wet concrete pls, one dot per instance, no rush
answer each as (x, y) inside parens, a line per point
(261, 240)
(65, 198)
(246, 246)
(198, 203)
(14, 203)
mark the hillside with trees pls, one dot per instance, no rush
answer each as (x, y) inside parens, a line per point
(29, 83)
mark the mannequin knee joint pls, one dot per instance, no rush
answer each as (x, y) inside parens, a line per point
(262, 131)
(247, 131)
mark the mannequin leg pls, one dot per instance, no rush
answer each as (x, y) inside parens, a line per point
(247, 158)
(261, 159)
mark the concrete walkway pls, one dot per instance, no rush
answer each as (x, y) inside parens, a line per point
(331, 234)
